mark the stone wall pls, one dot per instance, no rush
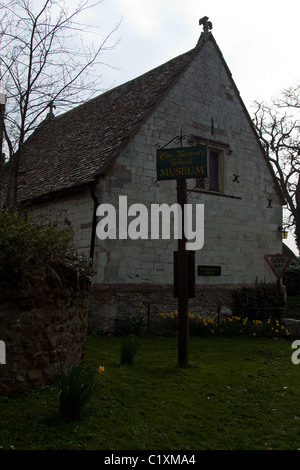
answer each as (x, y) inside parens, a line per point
(110, 302)
(44, 330)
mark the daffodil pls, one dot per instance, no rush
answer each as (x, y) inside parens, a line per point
(101, 369)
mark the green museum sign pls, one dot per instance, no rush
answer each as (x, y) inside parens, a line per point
(185, 162)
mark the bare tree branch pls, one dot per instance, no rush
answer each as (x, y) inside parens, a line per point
(43, 61)
(279, 136)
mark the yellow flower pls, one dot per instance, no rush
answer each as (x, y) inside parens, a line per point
(101, 369)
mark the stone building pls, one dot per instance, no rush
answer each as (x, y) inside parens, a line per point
(106, 148)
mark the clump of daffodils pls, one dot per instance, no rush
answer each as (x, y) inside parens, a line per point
(231, 326)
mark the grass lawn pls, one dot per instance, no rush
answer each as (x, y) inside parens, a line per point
(237, 394)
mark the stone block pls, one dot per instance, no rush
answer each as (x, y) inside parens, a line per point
(293, 327)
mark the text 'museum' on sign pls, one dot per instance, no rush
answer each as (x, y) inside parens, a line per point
(186, 162)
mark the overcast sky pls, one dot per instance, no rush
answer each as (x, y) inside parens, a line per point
(259, 40)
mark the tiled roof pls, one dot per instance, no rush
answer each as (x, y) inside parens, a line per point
(73, 148)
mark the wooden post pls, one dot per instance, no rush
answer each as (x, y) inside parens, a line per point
(182, 279)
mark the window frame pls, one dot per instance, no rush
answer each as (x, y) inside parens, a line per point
(222, 150)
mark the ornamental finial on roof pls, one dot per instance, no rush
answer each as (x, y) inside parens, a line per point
(207, 25)
(51, 106)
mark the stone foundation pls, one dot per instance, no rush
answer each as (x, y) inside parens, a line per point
(44, 330)
(110, 302)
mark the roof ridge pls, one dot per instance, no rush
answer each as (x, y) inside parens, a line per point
(127, 83)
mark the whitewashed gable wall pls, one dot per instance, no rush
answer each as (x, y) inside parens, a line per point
(239, 226)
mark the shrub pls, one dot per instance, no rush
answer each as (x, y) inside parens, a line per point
(129, 325)
(258, 302)
(291, 278)
(27, 248)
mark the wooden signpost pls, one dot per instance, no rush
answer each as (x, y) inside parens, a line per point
(180, 164)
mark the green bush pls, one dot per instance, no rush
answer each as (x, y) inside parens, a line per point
(291, 278)
(129, 325)
(258, 302)
(27, 248)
